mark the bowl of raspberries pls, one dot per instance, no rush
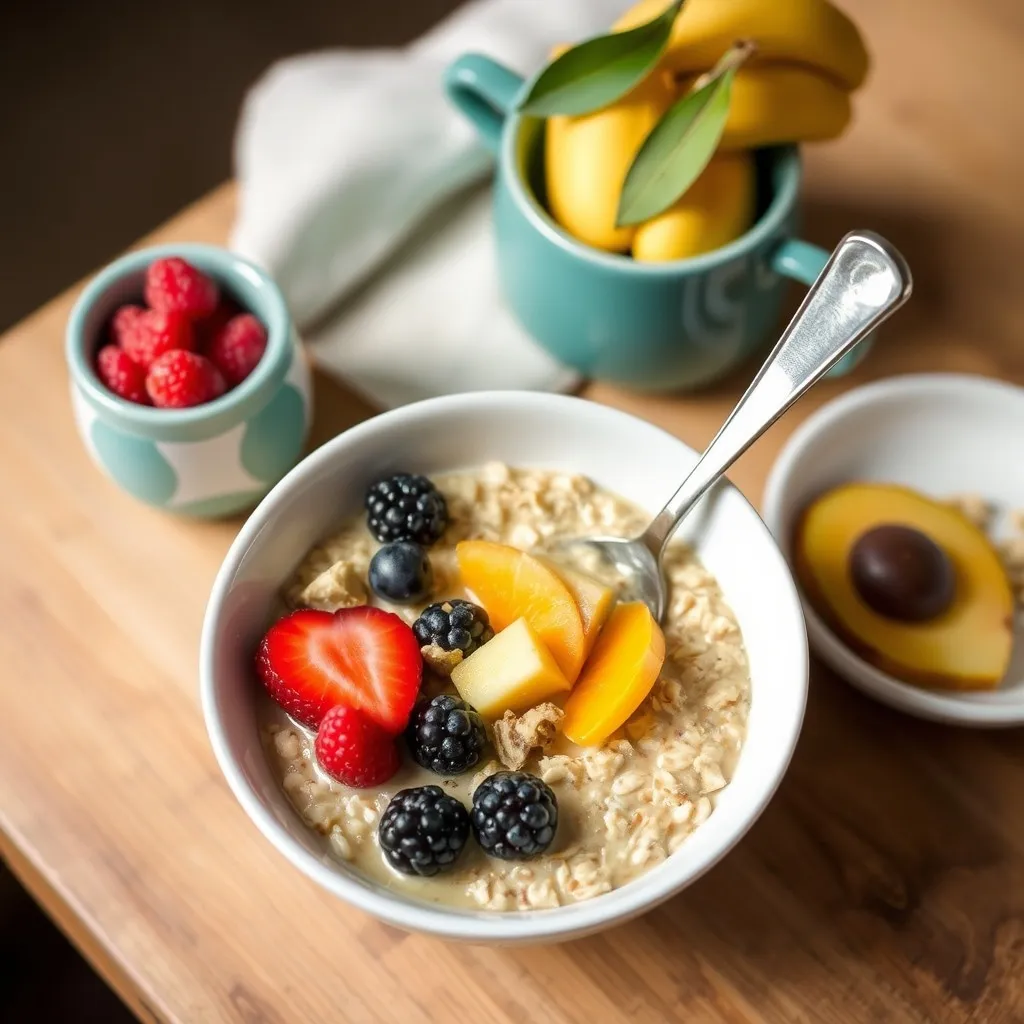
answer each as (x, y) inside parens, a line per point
(188, 382)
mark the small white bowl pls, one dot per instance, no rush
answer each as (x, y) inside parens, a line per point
(619, 452)
(941, 434)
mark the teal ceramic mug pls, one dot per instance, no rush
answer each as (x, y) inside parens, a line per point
(652, 326)
(211, 460)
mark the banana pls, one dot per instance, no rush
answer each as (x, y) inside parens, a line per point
(586, 159)
(716, 209)
(775, 103)
(810, 32)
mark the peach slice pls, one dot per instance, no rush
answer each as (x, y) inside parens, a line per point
(593, 599)
(511, 585)
(618, 675)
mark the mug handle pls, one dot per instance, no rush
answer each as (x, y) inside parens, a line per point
(485, 91)
(803, 262)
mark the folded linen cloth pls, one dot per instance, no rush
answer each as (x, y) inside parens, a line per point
(360, 190)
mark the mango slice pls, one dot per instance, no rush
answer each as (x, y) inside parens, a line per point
(512, 672)
(617, 677)
(967, 647)
(593, 599)
(511, 584)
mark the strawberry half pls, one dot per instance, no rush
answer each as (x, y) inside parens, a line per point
(363, 658)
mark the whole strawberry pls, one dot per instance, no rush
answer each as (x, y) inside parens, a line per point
(173, 285)
(352, 748)
(147, 335)
(237, 347)
(122, 374)
(179, 379)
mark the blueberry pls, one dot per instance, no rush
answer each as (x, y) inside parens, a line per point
(401, 573)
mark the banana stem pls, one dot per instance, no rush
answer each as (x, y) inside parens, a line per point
(740, 51)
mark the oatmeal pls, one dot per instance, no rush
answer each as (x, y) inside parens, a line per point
(623, 805)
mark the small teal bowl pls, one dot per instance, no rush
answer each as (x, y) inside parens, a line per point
(212, 460)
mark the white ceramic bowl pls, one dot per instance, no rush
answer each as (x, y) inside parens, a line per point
(942, 434)
(619, 452)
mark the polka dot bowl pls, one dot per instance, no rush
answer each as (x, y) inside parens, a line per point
(211, 460)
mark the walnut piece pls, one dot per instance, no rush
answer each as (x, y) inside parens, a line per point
(340, 586)
(515, 736)
(440, 660)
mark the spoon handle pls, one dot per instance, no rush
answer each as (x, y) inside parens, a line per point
(865, 281)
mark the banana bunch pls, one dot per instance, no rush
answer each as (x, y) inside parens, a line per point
(810, 57)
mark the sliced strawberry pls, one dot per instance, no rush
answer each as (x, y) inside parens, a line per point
(363, 658)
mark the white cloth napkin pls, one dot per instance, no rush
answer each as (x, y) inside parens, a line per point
(361, 192)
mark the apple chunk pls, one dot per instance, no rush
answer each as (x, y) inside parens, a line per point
(512, 672)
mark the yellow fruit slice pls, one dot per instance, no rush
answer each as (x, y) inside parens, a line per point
(810, 32)
(511, 585)
(593, 599)
(617, 677)
(715, 210)
(586, 159)
(967, 647)
(512, 672)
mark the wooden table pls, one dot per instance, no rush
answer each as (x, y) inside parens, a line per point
(884, 883)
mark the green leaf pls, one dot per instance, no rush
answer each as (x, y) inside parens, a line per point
(601, 70)
(680, 144)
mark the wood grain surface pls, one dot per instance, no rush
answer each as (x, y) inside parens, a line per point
(884, 883)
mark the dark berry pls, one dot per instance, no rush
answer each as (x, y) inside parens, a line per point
(515, 815)
(446, 735)
(453, 626)
(423, 830)
(406, 507)
(401, 573)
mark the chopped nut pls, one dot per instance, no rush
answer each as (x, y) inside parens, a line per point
(515, 736)
(440, 660)
(340, 586)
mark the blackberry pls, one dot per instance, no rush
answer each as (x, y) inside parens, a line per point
(401, 573)
(406, 507)
(446, 735)
(514, 816)
(453, 626)
(423, 830)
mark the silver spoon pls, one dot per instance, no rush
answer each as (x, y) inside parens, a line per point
(863, 283)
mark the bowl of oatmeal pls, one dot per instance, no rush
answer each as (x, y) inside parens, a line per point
(428, 713)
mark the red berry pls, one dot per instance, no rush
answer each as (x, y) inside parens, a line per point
(352, 748)
(152, 333)
(238, 347)
(122, 374)
(174, 285)
(180, 379)
(123, 321)
(365, 658)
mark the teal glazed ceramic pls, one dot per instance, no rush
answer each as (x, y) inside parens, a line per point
(212, 460)
(652, 326)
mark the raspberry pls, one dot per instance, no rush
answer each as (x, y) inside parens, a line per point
(123, 321)
(151, 333)
(122, 374)
(179, 379)
(172, 285)
(237, 347)
(352, 748)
